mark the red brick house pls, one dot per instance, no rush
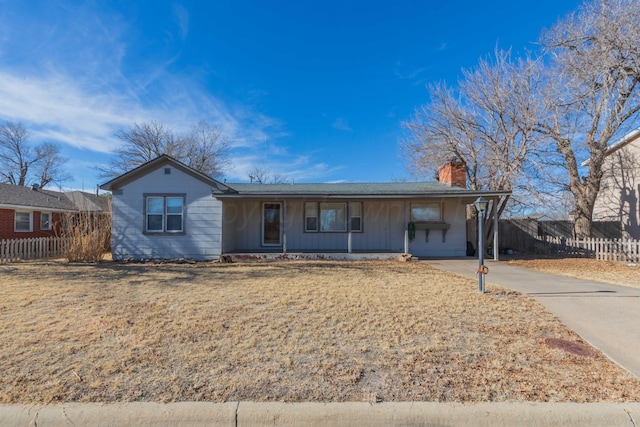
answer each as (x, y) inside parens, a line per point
(35, 212)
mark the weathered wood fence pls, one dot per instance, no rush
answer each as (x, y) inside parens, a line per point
(526, 235)
(32, 248)
(602, 249)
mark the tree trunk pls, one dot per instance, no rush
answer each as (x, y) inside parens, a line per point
(582, 226)
(583, 210)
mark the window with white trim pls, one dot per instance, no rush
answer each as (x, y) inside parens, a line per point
(332, 217)
(23, 221)
(164, 214)
(45, 221)
(310, 217)
(426, 212)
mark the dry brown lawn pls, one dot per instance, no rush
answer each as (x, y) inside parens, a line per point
(283, 331)
(615, 272)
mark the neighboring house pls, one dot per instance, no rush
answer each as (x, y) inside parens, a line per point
(36, 212)
(618, 199)
(164, 209)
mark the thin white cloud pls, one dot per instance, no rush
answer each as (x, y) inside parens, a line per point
(55, 108)
(291, 168)
(411, 74)
(341, 124)
(182, 17)
(415, 75)
(79, 85)
(77, 90)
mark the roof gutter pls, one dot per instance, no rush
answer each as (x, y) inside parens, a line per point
(34, 208)
(469, 194)
(617, 145)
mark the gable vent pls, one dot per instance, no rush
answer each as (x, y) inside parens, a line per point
(167, 171)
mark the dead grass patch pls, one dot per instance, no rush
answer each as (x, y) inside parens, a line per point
(614, 272)
(283, 331)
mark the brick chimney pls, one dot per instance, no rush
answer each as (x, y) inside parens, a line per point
(453, 173)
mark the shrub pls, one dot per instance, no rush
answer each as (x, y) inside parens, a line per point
(88, 236)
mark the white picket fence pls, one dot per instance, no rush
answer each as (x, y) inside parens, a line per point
(602, 249)
(32, 248)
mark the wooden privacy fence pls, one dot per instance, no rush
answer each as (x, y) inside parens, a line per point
(32, 248)
(602, 249)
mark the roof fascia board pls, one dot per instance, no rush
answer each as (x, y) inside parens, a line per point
(158, 162)
(363, 196)
(34, 208)
(621, 143)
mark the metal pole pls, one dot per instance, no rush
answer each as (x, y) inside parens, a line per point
(480, 252)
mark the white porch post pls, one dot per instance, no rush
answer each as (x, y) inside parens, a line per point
(284, 227)
(406, 228)
(495, 231)
(349, 242)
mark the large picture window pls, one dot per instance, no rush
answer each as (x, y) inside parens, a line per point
(164, 214)
(426, 212)
(23, 221)
(333, 217)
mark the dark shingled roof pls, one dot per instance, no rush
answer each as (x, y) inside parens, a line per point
(331, 190)
(88, 202)
(17, 195)
(383, 189)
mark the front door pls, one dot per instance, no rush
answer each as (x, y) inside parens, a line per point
(272, 224)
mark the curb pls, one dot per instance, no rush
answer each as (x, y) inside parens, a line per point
(241, 414)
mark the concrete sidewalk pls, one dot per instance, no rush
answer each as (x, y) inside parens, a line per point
(606, 316)
(321, 414)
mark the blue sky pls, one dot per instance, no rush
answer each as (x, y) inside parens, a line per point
(313, 90)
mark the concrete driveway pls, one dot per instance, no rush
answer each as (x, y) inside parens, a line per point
(607, 316)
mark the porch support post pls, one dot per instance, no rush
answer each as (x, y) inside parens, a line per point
(406, 228)
(284, 227)
(349, 242)
(495, 230)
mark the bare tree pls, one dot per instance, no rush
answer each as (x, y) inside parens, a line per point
(204, 148)
(21, 163)
(207, 149)
(486, 123)
(592, 95)
(49, 169)
(258, 175)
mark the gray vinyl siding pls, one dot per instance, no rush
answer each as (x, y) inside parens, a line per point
(453, 213)
(383, 225)
(201, 239)
(241, 224)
